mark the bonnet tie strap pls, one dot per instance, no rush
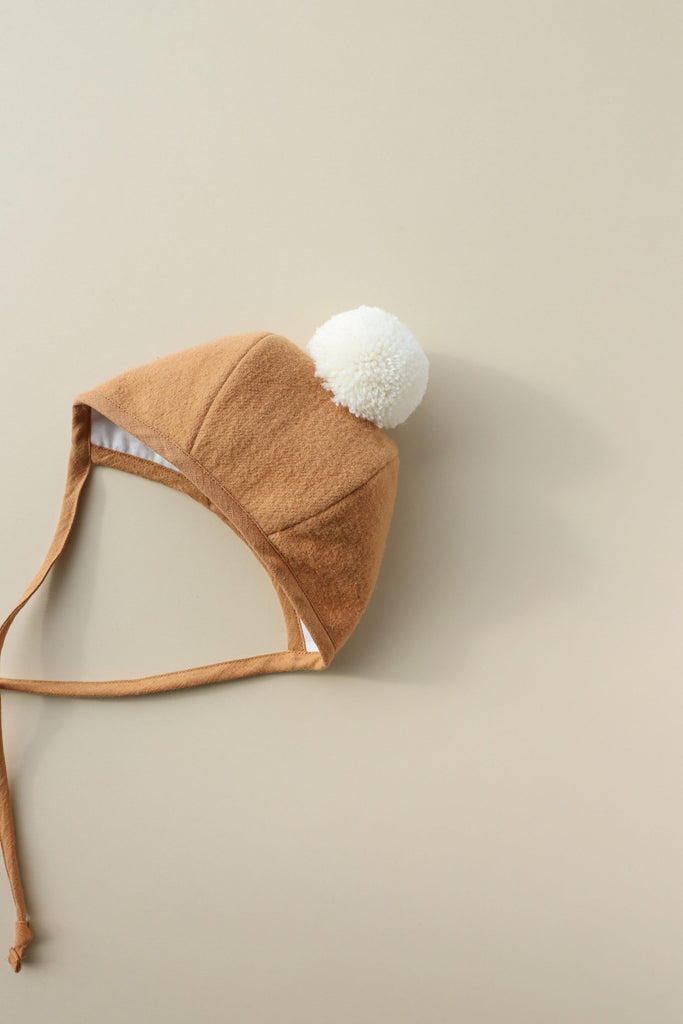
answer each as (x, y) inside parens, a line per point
(77, 472)
(296, 658)
(23, 933)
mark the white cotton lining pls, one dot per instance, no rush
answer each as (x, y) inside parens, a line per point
(108, 435)
(308, 639)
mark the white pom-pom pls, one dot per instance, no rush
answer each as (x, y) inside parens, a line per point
(371, 363)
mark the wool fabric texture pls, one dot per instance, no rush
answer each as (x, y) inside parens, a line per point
(243, 426)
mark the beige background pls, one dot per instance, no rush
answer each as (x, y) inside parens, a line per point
(475, 814)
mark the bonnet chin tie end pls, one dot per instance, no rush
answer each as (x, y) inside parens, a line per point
(23, 933)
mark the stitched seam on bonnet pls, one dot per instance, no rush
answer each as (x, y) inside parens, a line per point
(338, 501)
(225, 380)
(232, 497)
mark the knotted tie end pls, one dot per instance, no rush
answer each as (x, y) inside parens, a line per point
(23, 933)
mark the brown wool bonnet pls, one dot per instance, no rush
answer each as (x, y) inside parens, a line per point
(287, 447)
